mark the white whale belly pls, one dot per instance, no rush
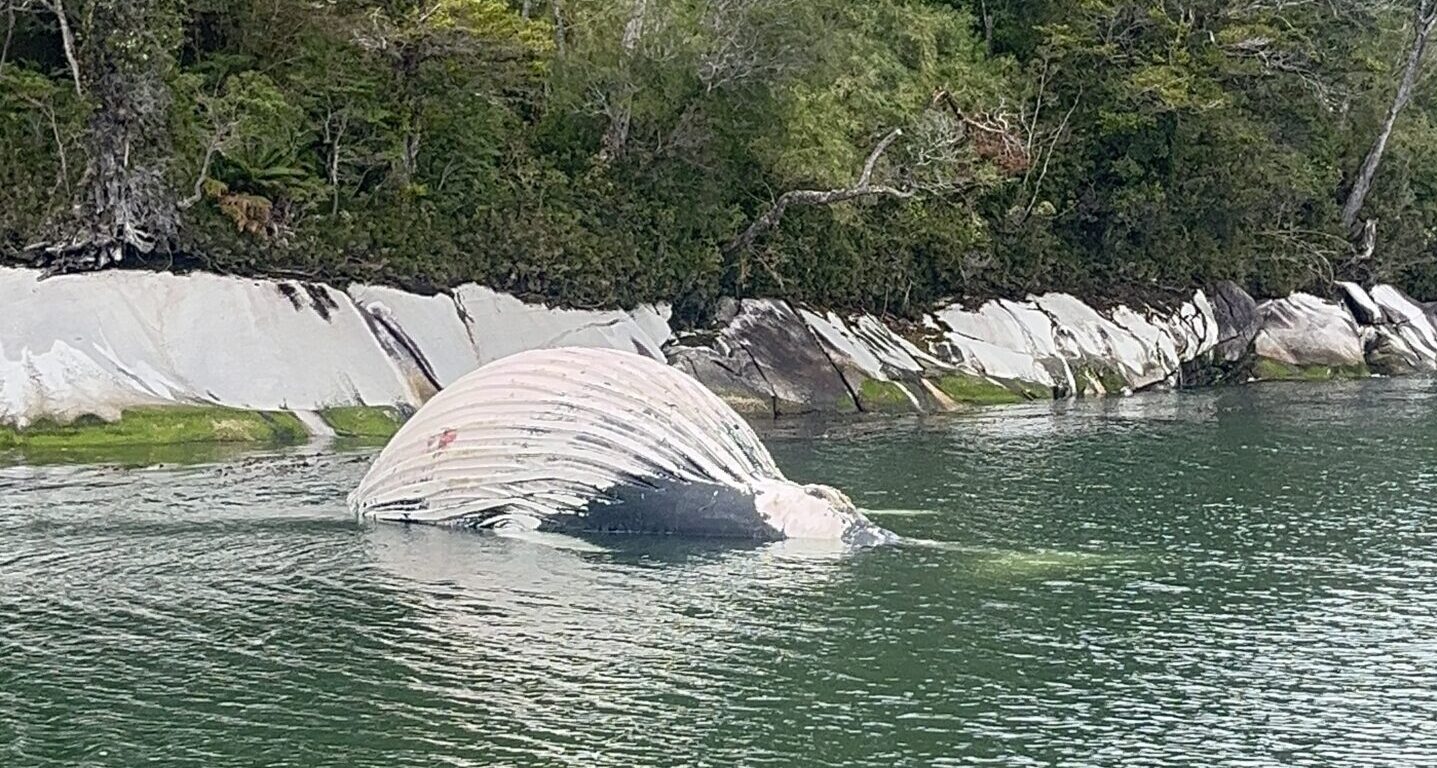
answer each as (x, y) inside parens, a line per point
(590, 440)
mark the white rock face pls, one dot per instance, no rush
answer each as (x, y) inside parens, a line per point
(1411, 321)
(1305, 330)
(1045, 339)
(864, 348)
(833, 332)
(502, 325)
(1084, 334)
(99, 343)
(1155, 358)
(895, 351)
(95, 344)
(1364, 310)
(1194, 328)
(429, 324)
(1000, 340)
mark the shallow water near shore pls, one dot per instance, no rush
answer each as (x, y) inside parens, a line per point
(1244, 576)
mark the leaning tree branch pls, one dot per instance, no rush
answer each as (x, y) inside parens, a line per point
(815, 197)
(616, 136)
(9, 35)
(1424, 22)
(1048, 158)
(198, 192)
(63, 177)
(224, 125)
(883, 145)
(67, 34)
(67, 41)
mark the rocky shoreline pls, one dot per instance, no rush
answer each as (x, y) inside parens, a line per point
(97, 357)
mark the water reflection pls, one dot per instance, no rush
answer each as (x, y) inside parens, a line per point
(1229, 578)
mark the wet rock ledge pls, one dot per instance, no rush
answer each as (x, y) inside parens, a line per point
(131, 357)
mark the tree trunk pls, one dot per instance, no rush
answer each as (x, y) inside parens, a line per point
(67, 38)
(125, 205)
(616, 138)
(559, 31)
(333, 136)
(407, 68)
(9, 34)
(1423, 23)
(987, 26)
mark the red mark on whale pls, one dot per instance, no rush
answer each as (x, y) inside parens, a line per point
(445, 439)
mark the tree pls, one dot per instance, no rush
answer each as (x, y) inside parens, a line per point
(1424, 20)
(62, 20)
(620, 106)
(125, 204)
(937, 164)
(485, 33)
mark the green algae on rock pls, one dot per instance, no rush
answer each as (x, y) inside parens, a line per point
(159, 425)
(879, 396)
(363, 421)
(1268, 369)
(976, 390)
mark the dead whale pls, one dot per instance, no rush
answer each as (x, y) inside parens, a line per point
(595, 441)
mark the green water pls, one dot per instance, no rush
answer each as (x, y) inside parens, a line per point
(1236, 578)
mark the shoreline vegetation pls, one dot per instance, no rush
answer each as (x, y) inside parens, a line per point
(879, 156)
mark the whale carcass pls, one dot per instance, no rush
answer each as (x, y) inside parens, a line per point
(595, 440)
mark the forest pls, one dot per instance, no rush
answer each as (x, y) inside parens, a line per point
(874, 154)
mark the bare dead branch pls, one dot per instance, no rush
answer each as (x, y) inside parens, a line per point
(1048, 157)
(211, 150)
(616, 136)
(814, 197)
(998, 139)
(560, 31)
(741, 48)
(883, 145)
(63, 177)
(9, 34)
(333, 138)
(67, 40)
(1272, 60)
(1424, 20)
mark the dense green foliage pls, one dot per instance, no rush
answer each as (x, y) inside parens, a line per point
(602, 152)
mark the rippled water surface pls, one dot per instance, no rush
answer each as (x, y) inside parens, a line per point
(1244, 577)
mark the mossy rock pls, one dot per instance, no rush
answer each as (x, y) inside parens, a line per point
(1113, 381)
(884, 397)
(1268, 369)
(1031, 391)
(159, 425)
(1110, 379)
(977, 390)
(363, 421)
(748, 405)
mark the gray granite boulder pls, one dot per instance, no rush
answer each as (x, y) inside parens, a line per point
(768, 349)
(1237, 321)
(1303, 330)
